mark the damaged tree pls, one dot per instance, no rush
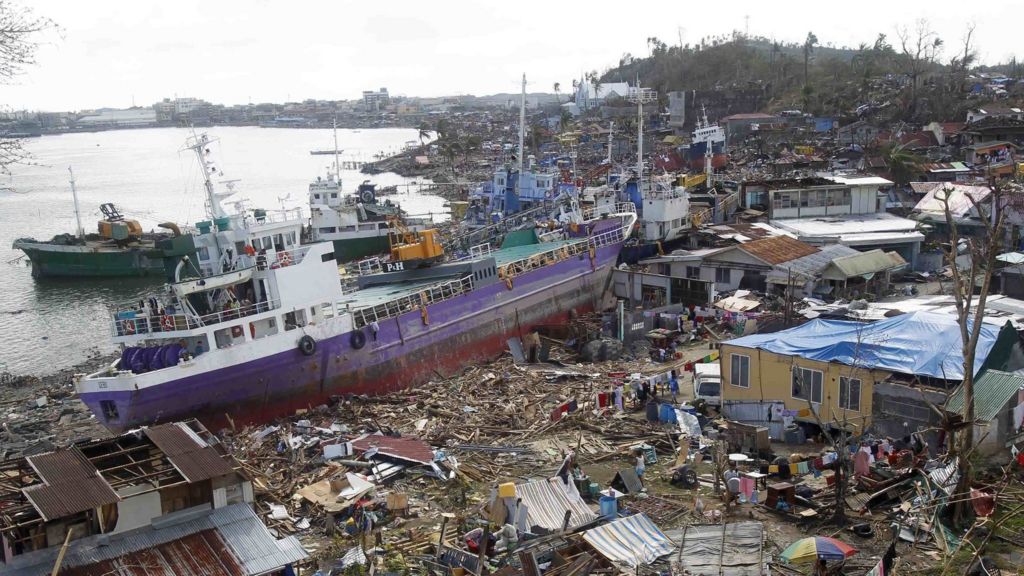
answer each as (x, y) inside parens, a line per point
(19, 39)
(970, 297)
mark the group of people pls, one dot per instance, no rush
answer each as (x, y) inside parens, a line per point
(644, 390)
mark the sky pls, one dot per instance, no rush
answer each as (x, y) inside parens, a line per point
(115, 53)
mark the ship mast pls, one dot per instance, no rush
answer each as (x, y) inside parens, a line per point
(641, 95)
(198, 145)
(611, 138)
(337, 164)
(78, 213)
(522, 124)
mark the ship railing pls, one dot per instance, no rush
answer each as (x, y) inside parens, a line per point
(542, 259)
(430, 295)
(480, 250)
(369, 266)
(285, 258)
(278, 216)
(595, 212)
(135, 323)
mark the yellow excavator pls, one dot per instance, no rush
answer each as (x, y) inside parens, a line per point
(411, 248)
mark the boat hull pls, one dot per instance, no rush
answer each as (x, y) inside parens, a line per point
(82, 261)
(350, 249)
(408, 349)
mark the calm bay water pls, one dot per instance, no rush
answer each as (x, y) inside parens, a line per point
(49, 324)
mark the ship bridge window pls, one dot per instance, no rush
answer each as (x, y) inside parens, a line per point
(316, 196)
(334, 195)
(295, 319)
(382, 225)
(327, 230)
(228, 337)
(204, 253)
(327, 310)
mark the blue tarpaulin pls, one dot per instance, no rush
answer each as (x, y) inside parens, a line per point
(919, 343)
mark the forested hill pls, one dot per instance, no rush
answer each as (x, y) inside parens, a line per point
(916, 81)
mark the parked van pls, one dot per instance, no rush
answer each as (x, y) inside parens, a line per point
(707, 383)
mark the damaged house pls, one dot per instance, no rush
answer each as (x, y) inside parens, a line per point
(853, 374)
(167, 497)
(835, 209)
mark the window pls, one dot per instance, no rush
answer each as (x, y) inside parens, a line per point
(204, 253)
(327, 230)
(693, 272)
(316, 196)
(739, 370)
(334, 195)
(849, 393)
(807, 384)
(723, 275)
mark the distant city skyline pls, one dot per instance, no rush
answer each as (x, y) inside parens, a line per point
(118, 53)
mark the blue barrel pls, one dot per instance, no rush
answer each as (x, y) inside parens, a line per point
(667, 414)
(652, 411)
(609, 507)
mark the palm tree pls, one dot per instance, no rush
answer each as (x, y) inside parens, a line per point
(450, 149)
(424, 134)
(902, 163)
(557, 97)
(808, 48)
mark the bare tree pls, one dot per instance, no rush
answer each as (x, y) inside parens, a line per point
(970, 297)
(920, 46)
(20, 32)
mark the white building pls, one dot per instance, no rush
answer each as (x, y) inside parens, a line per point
(590, 96)
(837, 209)
(131, 118)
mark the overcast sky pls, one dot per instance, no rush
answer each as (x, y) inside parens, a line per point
(239, 51)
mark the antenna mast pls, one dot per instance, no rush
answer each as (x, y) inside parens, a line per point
(78, 214)
(641, 95)
(337, 164)
(522, 124)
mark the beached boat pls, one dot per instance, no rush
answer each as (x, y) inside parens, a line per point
(299, 337)
(119, 248)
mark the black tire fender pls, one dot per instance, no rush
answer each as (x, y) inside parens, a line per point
(307, 345)
(357, 339)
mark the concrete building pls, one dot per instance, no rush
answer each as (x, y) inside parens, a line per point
(131, 118)
(589, 96)
(835, 209)
(376, 100)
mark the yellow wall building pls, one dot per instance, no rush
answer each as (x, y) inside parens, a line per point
(839, 392)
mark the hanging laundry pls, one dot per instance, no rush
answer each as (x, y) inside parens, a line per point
(802, 467)
(773, 469)
(794, 469)
(747, 486)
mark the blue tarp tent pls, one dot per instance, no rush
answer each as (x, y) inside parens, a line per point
(919, 343)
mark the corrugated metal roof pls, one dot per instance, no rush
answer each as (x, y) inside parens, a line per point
(547, 501)
(993, 389)
(195, 460)
(404, 448)
(628, 481)
(811, 265)
(71, 484)
(632, 541)
(202, 554)
(249, 541)
(777, 249)
(734, 549)
(862, 263)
